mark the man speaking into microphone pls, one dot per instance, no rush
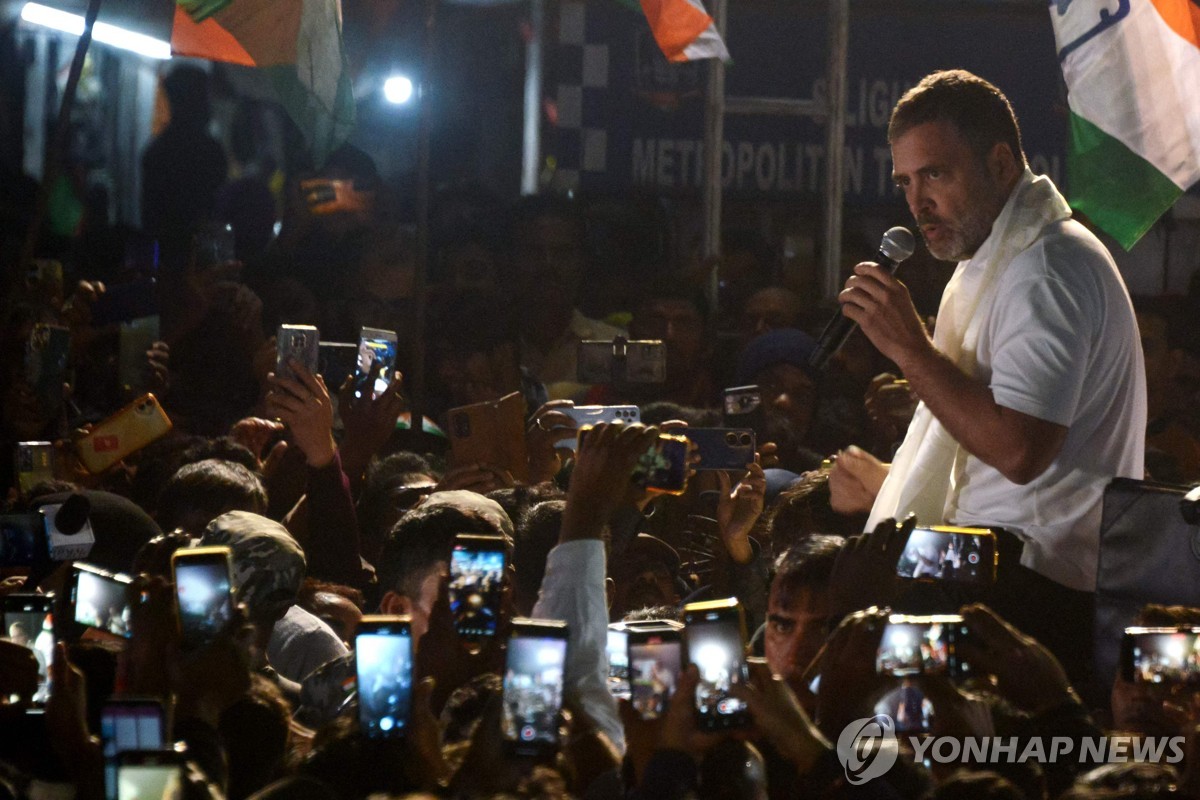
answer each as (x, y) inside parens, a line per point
(1032, 388)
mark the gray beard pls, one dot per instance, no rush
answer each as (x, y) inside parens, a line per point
(966, 237)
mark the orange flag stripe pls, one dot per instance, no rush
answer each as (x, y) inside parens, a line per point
(675, 24)
(1181, 16)
(206, 40)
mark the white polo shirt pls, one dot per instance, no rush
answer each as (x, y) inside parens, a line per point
(1060, 344)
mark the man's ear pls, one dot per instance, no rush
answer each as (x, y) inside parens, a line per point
(394, 604)
(1003, 163)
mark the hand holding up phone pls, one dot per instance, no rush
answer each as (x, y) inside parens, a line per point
(864, 573)
(738, 510)
(603, 468)
(303, 404)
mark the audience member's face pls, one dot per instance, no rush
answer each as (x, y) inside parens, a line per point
(788, 391)
(338, 612)
(642, 584)
(795, 629)
(419, 608)
(770, 309)
(479, 377)
(678, 323)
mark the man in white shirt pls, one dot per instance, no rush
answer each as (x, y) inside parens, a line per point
(1032, 389)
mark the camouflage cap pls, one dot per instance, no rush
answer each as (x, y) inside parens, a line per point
(268, 564)
(485, 507)
(323, 694)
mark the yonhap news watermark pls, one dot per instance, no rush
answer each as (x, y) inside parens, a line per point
(869, 747)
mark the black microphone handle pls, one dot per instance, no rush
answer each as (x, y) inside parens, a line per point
(838, 330)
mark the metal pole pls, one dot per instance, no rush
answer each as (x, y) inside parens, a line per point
(416, 382)
(55, 154)
(714, 143)
(835, 146)
(531, 154)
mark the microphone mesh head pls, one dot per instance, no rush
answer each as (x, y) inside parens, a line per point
(898, 244)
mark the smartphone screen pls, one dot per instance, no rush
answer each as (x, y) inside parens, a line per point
(664, 468)
(908, 706)
(128, 725)
(477, 584)
(921, 646)
(383, 656)
(533, 686)
(20, 539)
(1161, 655)
(144, 781)
(715, 646)
(28, 622)
(617, 648)
(100, 600)
(963, 556)
(655, 660)
(204, 594)
(743, 407)
(375, 347)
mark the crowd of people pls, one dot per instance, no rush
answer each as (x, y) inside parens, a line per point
(336, 503)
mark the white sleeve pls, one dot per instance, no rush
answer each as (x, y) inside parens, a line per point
(573, 591)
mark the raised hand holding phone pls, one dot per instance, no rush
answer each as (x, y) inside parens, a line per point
(303, 404)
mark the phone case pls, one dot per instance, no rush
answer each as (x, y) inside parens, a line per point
(299, 342)
(492, 434)
(621, 361)
(722, 448)
(129, 430)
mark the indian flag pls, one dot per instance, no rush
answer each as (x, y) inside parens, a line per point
(684, 30)
(1132, 69)
(298, 43)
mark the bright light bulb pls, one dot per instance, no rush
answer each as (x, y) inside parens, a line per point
(398, 90)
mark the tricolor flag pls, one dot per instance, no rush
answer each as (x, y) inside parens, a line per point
(684, 30)
(1132, 69)
(298, 43)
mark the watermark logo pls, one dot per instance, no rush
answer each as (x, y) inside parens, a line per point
(868, 748)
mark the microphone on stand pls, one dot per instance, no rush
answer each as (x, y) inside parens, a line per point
(897, 244)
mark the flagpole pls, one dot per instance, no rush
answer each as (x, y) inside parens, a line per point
(714, 137)
(835, 146)
(416, 382)
(53, 163)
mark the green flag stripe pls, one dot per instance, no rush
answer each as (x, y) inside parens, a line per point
(1117, 189)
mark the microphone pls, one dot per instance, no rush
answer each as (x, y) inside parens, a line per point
(72, 515)
(897, 244)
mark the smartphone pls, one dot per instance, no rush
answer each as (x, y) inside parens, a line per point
(157, 774)
(123, 302)
(299, 342)
(328, 196)
(477, 566)
(722, 448)
(1169, 656)
(134, 338)
(655, 661)
(34, 462)
(46, 354)
(375, 346)
(908, 707)
(590, 415)
(213, 245)
(621, 361)
(383, 663)
(22, 540)
(716, 636)
(743, 408)
(124, 433)
(943, 553)
(617, 649)
(533, 686)
(203, 593)
(662, 469)
(99, 599)
(914, 645)
(491, 433)
(134, 724)
(29, 622)
(336, 361)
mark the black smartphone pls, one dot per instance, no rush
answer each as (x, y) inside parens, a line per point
(913, 645)
(383, 663)
(655, 661)
(299, 342)
(134, 724)
(943, 553)
(46, 354)
(743, 408)
(157, 773)
(1168, 656)
(22, 540)
(28, 622)
(203, 593)
(336, 361)
(722, 448)
(477, 566)
(616, 647)
(100, 599)
(375, 346)
(533, 686)
(716, 636)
